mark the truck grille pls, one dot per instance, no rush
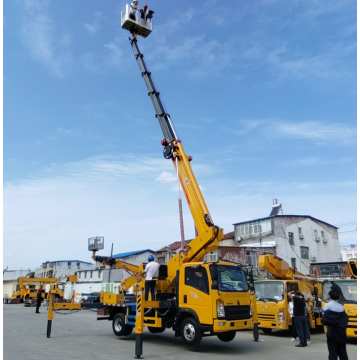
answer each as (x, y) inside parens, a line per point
(266, 317)
(237, 312)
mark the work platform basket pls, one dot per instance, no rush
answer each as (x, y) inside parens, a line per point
(136, 21)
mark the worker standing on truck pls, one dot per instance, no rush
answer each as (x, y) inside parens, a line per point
(336, 320)
(38, 301)
(152, 272)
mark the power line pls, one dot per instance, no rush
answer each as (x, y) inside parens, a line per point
(347, 224)
(348, 232)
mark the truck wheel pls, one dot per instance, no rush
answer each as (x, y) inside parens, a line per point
(130, 330)
(119, 326)
(266, 330)
(227, 336)
(190, 331)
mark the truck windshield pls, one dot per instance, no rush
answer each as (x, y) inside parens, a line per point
(346, 289)
(269, 291)
(231, 279)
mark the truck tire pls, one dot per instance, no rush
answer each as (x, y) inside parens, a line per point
(227, 336)
(190, 332)
(266, 330)
(119, 326)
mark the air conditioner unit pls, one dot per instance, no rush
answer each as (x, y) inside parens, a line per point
(313, 258)
(238, 238)
(301, 237)
(317, 238)
(324, 240)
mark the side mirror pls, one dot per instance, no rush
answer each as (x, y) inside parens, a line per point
(214, 285)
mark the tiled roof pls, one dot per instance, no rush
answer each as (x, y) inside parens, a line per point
(174, 246)
(130, 253)
(229, 235)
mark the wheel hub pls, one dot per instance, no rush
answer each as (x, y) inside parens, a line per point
(118, 325)
(189, 332)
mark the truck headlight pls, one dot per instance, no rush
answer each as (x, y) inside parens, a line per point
(281, 316)
(251, 311)
(220, 309)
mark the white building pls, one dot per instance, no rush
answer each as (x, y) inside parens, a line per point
(349, 252)
(10, 280)
(297, 239)
(61, 268)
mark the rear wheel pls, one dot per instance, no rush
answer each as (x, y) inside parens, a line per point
(266, 330)
(119, 326)
(190, 331)
(227, 336)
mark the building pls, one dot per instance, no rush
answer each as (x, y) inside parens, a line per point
(297, 239)
(61, 268)
(163, 255)
(349, 252)
(10, 280)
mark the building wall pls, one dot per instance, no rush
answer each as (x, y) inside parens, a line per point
(58, 269)
(281, 226)
(349, 253)
(330, 270)
(101, 275)
(9, 287)
(241, 255)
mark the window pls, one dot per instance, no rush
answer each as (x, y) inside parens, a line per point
(196, 277)
(85, 274)
(78, 264)
(69, 263)
(315, 233)
(212, 256)
(323, 234)
(161, 260)
(291, 238)
(251, 257)
(293, 263)
(304, 250)
(99, 274)
(300, 231)
(91, 274)
(255, 227)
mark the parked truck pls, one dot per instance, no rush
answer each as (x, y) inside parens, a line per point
(271, 295)
(29, 286)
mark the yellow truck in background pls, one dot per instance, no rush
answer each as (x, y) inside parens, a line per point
(26, 292)
(271, 295)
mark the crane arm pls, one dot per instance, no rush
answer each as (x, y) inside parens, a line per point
(130, 268)
(209, 234)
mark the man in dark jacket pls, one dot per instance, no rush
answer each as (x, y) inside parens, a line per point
(299, 314)
(38, 301)
(336, 320)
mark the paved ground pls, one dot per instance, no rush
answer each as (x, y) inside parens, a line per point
(80, 336)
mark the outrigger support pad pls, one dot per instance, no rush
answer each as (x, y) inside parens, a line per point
(138, 346)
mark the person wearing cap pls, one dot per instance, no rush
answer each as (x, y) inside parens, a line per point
(152, 272)
(38, 301)
(143, 12)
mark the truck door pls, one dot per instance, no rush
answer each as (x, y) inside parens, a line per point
(194, 291)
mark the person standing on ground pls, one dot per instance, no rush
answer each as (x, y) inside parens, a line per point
(299, 314)
(152, 272)
(335, 319)
(38, 301)
(291, 312)
(307, 323)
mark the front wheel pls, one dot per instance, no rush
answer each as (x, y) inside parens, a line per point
(190, 331)
(119, 326)
(266, 330)
(227, 336)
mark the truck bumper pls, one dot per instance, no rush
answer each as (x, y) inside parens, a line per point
(351, 332)
(273, 325)
(229, 325)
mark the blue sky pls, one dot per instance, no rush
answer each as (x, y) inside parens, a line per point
(262, 93)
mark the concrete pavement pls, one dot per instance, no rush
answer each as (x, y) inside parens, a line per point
(80, 336)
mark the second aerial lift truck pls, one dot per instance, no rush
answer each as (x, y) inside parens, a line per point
(347, 289)
(271, 295)
(193, 298)
(26, 292)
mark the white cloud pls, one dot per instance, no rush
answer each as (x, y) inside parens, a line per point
(311, 130)
(122, 199)
(166, 177)
(94, 27)
(38, 31)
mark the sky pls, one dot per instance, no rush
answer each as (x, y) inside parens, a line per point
(262, 94)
